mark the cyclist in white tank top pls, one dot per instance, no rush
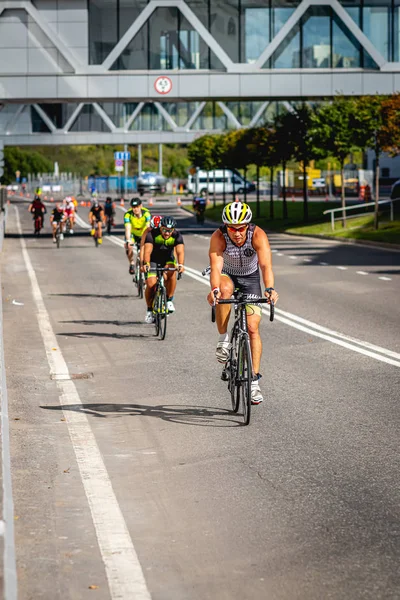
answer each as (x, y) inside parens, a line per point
(238, 250)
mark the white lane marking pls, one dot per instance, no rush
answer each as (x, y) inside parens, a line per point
(324, 264)
(342, 268)
(321, 332)
(123, 570)
(385, 278)
(293, 257)
(361, 272)
(280, 254)
(273, 250)
(307, 260)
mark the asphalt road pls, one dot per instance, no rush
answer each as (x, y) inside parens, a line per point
(131, 475)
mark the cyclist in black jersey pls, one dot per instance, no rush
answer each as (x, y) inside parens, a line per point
(238, 250)
(57, 218)
(160, 246)
(96, 219)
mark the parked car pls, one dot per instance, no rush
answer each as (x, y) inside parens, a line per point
(217, 180)
(151, 182)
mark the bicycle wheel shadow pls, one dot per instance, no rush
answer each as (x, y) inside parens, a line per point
(199, 416)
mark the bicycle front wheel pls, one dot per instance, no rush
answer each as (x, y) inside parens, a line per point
(243, 380)
(163, 314)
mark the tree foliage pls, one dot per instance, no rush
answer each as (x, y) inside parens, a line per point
(25, 161)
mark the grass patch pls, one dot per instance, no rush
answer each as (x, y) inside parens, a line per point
(295, 213)
(360, 228)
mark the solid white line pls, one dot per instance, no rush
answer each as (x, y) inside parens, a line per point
(319, 331)
(123, 570)
(361, 273)
(385, 278)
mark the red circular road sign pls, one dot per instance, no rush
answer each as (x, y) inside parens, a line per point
(163, 85)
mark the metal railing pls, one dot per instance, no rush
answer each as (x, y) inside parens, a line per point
(362, 214)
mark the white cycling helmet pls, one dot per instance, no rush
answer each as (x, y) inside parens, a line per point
(236, 213)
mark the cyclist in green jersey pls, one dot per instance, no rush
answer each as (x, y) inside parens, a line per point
(136, 221)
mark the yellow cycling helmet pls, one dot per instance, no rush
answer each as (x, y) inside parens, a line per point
(236, 213)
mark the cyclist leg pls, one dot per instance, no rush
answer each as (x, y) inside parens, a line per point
(151, 282)
(99, 229)
(54, 226)
(223, 313)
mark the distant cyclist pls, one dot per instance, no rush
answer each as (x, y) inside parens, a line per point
(38, 209)
(238, 250)
(96, 219)
(109, 209)
(70, 212)
(136, 221)
(57, 219)
(159, 251)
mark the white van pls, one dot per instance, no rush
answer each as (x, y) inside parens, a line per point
(234, 182)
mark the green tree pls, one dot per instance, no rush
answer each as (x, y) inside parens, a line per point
(261, 152)
(376, 126)
(25, 161)
(333, 134)
(298, 128)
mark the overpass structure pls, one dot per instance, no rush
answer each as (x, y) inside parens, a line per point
(163, 71)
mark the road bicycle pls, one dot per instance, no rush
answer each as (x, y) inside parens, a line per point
(159, 307)
(38, 224)
(58, 234)
(109, 223)
(238, 369)
(138, 277)
(96, 236)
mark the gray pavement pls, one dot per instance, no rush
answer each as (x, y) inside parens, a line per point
(302, 504)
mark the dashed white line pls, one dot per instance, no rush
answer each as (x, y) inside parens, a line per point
(307, 260)
(324, 264)
(280, 254)
(342, 268)
(385, 278)
(293, 257)
(376, 352)
(361, 272)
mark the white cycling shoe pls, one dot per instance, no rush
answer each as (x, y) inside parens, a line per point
(223, 351)
(149, 318)
(170, 306)
(256, 395)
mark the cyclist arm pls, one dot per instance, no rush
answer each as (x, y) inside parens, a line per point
(262, 247)
(142, 243)
(180, 255)
(147, 250)
(217, 247)
(128, 229)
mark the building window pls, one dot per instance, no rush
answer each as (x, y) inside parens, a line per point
(256, 32)
(224, 26)
(316, 50)
(103, 29)
(376, 24)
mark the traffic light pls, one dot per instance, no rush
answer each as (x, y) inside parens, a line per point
(1, 159)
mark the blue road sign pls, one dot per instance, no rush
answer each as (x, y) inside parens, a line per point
(122, 155)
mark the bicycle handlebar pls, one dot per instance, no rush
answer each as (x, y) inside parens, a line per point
(244, 302)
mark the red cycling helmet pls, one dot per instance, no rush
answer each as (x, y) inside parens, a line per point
(155, 221)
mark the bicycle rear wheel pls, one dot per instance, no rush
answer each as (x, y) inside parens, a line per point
(163, 314)
(58, 239)
(243, 381)
(232, 374)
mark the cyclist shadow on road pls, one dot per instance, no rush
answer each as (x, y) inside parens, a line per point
(199, 416)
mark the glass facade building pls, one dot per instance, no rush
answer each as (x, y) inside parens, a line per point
(243, 29)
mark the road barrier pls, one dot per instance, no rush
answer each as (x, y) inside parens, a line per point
(361, 214)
